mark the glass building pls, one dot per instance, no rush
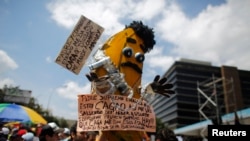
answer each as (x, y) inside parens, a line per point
(202, 91)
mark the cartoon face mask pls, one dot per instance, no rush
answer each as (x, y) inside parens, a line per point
(126, 51)
(127, 56)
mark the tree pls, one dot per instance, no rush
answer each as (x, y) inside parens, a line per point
(2, 94)
(159, 125)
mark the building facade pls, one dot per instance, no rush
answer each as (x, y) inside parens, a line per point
(15, 95)
(202, 92)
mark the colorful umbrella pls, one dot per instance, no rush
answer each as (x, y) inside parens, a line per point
(13, 112)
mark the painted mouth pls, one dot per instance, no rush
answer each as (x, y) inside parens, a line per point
(133, 66)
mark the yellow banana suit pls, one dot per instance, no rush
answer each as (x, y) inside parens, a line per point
(117, 69)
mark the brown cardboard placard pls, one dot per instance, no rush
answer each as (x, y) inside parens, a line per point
(79, 45)
(96, 112)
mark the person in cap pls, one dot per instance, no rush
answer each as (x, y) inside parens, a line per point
(21, 132)
(13, 136)
(54, 126)
(73, 131)
(48, 134)
(28, 136)
(64, 135)
(75, 135)
(4, 133)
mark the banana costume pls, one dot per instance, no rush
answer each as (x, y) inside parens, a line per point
(117, 69)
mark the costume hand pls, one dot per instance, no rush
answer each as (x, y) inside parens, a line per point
(92, 76)
(161, 86)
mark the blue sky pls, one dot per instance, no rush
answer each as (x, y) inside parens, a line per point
(34, 31)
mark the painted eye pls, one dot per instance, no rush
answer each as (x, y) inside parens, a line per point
(127, 51)
(139, 57)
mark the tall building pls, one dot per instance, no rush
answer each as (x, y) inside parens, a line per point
(202, 92)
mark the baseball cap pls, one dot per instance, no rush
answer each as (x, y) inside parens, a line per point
(66, 131)
(28, 136)
(21, 132)
(47, 130)
(55, 127)
(5, 131)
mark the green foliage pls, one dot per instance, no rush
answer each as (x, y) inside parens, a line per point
(159, 125)
(1, 96)
(63, 122)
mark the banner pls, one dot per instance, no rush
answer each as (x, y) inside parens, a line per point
(114, 112)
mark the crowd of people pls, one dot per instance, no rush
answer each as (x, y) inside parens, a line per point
(42, 132)
(52, 132)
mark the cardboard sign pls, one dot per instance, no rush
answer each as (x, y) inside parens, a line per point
(79, 45)
(114, 112)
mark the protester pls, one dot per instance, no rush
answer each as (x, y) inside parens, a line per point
(166, 134)
(76, 135)
(4, 133)
(64, 135)
(86, 136)
(13, 135)
(21, 132)
(91, 135)
(73, 131)
(48, 134)
(28, 136)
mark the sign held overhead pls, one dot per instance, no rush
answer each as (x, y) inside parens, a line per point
(79, 45)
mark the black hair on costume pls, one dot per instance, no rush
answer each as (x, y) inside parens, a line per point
(145, 33)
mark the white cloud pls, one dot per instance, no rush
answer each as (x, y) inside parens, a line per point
(67, 98)
(6, 62)
(71, 89)
(147, 9)
(218, 34)
(156, 58)
(7, 81)
(105, 13)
